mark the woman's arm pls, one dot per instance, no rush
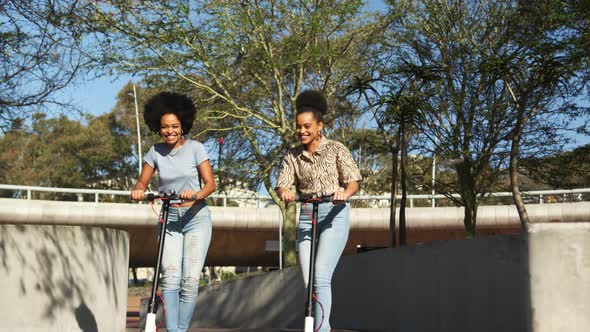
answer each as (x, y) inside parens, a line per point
(206, 173)
(351, 189)
(287, 179)
(138, 192)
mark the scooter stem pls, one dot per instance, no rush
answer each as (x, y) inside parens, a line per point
(309, 317)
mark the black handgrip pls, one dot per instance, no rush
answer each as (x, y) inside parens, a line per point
(162, 195)
(318, 199)
(168, 196)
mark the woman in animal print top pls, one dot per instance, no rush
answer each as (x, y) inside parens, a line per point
(323, 167)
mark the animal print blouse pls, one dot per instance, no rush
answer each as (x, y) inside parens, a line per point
(326, 171)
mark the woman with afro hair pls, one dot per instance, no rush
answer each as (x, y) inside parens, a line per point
(323, 167)
(182, 164)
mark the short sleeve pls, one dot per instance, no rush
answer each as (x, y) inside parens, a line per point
(200, 153)
(348, 170)
(150, 157)
(287, 174)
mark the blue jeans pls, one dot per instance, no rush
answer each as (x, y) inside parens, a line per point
(188, 235)
(332, 232)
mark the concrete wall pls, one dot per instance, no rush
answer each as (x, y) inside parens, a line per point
(271, 300)
(559, 260)
(63, 278)
(248, 236)
(535, 282)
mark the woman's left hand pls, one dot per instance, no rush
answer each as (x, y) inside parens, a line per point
(189, 195)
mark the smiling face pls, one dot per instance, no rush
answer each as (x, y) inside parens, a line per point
(308, 129)
(170, 129)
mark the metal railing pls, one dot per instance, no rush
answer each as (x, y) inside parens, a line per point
(537, 196)
(260, 200)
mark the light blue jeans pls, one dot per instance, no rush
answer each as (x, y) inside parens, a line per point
(332, 232)
(188, 235)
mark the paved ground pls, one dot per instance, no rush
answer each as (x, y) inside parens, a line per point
(133, 313)
(234, 330)
(133, 303)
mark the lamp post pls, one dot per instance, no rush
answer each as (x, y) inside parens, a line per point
(138, 130)
(220, 171)
(221, 142)
(433, 178)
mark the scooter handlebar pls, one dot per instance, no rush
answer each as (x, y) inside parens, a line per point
(167, 196)
(318, 199)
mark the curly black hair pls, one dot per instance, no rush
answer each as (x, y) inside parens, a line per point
(169, 103)
(311, 101)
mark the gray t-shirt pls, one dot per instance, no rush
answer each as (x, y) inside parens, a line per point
(177, 168)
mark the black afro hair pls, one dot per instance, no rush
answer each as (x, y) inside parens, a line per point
(169, 103)
(311, 99)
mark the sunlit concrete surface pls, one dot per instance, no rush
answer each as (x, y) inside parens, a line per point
(559, 262)
(65, 268)
(249, 236)
(533, 282)
(63, 278)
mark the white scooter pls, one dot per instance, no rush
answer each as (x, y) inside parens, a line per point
(167, 199)
(315, 200)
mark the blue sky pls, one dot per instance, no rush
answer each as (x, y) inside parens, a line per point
(95, 96)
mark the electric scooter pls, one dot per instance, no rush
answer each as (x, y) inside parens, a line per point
(315, 199)
(167, 199)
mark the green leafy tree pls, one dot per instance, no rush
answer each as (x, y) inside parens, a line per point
(245, 61)
(373, 160)
(440, 47)
(566, 170)
(390, 132)
(60, 152)
(544, 68)
(490, 78)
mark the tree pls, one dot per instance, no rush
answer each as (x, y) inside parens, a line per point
(374, 160)
(566, 170)
(41, 53)
(43, 155)
(391, 135)
(393, 91)
(245, 61)
(544, 71)
(486, 89)
(460, 116)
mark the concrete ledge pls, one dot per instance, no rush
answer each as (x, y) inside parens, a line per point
(117, 215)
(534, 282)
(243, 236)
(559, 263)
(63, 278)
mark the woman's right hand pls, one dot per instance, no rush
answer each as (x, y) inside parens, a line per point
(285, 195)
(137, 195)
